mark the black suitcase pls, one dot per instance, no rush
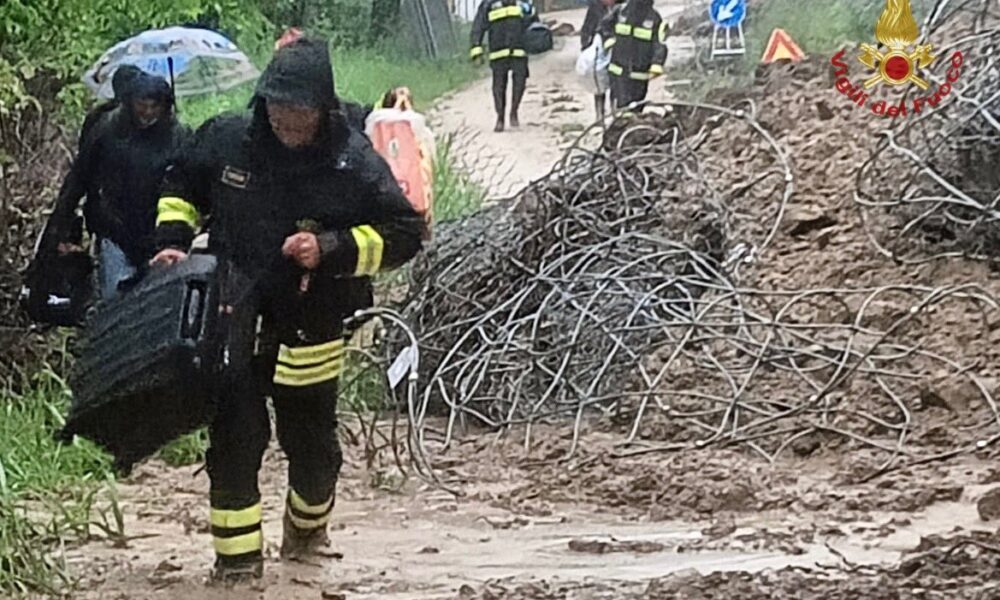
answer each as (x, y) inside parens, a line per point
(150, 362)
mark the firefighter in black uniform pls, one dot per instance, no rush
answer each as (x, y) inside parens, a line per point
(637, 37)
(124, 149)
(505, 21)
(596, 11)
(300, 205)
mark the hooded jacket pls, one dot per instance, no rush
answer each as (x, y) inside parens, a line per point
(637, 37)
(596, 11)
(252, 193)
(119, 168)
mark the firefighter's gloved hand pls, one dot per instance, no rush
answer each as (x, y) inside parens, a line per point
(168, 257)
(303, 248)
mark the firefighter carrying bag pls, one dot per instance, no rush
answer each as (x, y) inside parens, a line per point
(150, 362)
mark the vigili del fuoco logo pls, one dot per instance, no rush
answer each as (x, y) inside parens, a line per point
(897, 61)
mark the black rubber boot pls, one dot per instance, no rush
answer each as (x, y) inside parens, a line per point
(302, 543)
(229, 573)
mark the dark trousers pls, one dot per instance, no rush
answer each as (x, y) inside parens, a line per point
(600, 105)
(624, 91)
(517, 67)
(301, 370)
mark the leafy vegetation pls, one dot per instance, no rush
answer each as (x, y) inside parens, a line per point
(52, 494)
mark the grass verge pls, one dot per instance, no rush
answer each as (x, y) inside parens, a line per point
(50, 493)
(360, 75)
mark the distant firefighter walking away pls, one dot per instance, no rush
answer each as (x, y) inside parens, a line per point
(505, 22)
(636, 35)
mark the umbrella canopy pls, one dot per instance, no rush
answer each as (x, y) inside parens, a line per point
(204, 61)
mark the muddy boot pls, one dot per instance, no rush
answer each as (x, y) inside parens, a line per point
(514, 123)
(230, 573)
(299, 543)
(499, 126)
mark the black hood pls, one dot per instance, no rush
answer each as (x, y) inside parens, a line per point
(300, 73)
(132, 83)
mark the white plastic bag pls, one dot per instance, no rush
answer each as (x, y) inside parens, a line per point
(592, 67)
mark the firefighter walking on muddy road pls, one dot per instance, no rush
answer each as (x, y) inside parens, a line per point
(302, 208)
(636, 35)
(505, 22)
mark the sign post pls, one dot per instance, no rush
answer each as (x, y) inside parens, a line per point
(728, 14)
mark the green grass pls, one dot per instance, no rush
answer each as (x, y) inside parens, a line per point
(455, 195)
(49, 492)
(360, 75)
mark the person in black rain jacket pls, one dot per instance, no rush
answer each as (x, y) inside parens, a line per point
(299, 204)
(596, 11)
(505, 21)
(637, 37)
(123, 152)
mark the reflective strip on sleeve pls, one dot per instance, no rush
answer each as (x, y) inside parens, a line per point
(656, 70)
(235, 519)
(504, 13)
(641, 33)
(370, 245)
(640, 76)
(240, 544)
(608, 43)
(172, 208)
(475, 51)
(662, 33)
(614, 69)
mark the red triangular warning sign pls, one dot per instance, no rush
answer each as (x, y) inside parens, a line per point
(781, 46)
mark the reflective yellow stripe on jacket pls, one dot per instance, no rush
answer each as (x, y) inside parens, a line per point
(506, 12)
(654, 70)
(641, 33)
(172, 208)
(516, 52)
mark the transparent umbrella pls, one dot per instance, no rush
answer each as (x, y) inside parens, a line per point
(202, 61)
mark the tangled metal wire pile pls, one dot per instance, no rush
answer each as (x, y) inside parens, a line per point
(613, 288)
(931, 187)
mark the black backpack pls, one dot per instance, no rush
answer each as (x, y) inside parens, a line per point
(537, 38)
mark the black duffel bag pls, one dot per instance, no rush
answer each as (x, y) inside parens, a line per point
(58, 288)
(537, 38)
(152, 359)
